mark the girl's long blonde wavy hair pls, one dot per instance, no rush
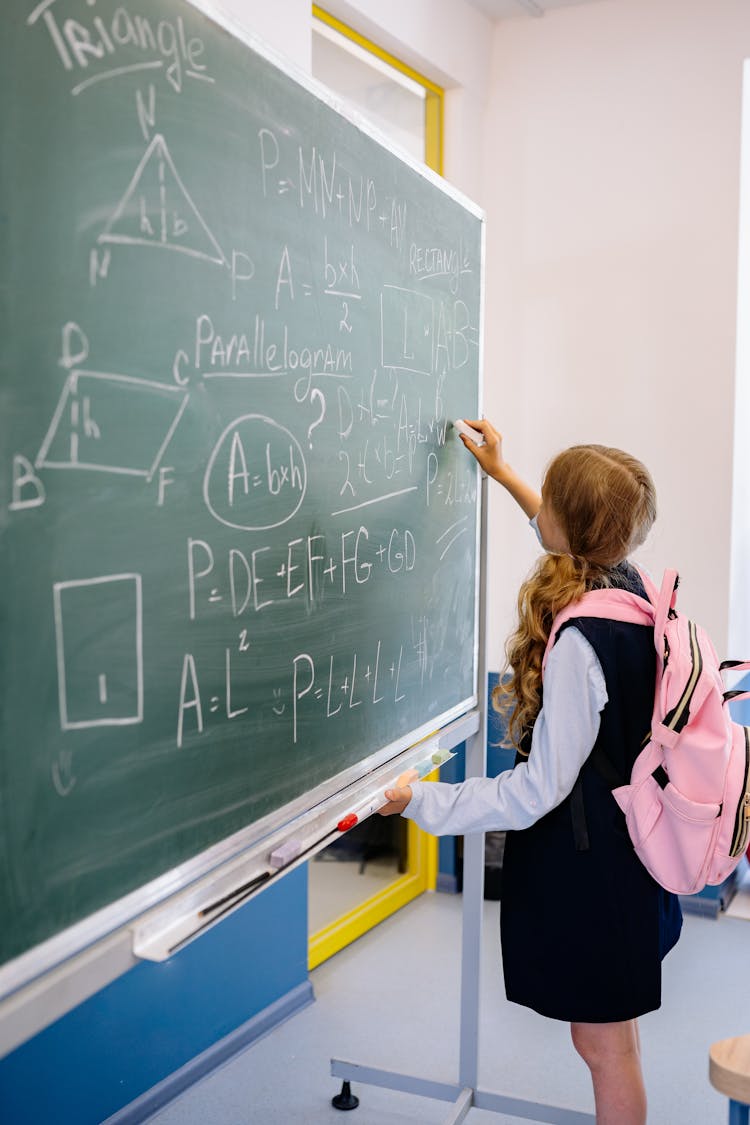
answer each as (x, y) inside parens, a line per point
(605, 503)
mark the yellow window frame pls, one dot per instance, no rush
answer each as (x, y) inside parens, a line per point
(434, 94)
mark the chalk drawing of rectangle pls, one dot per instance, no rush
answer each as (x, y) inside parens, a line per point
(99, 640)
(406, 329)
(111, 423)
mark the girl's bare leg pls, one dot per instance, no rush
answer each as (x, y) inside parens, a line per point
(612, 1053)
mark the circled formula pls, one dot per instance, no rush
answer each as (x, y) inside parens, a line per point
(256, 477)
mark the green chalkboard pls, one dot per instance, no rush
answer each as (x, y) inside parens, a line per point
(238, 536)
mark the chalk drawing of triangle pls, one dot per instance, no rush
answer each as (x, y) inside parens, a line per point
(156, 210)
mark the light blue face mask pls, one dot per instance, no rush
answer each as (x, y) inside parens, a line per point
(534, 522)
(535, 525)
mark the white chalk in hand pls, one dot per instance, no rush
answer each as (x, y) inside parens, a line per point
(472, 434)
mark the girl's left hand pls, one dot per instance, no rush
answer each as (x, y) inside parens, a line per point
(400, 794)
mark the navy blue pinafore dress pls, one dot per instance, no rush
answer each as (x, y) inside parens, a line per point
(583, 925)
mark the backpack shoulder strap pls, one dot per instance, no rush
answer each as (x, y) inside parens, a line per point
(615, 605)
(652, 590)
(665, 604)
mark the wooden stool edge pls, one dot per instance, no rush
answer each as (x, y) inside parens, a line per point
(729, 1067)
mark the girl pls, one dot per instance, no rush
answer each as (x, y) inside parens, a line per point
(584, 927)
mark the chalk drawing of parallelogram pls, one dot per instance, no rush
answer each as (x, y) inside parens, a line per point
(99, 647)
(156, 210)
(111, 423)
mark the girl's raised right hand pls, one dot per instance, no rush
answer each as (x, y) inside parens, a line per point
(489, 455)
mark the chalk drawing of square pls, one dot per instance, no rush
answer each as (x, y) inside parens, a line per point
(406, 329)
(99, 643)
(111, 423)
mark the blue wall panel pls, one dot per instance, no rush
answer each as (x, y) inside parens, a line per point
(499, 757)
(740, 709)
(158, 1017)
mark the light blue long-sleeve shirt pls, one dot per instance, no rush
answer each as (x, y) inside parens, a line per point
(564, 735)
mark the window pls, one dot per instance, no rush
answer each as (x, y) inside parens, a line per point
(401, 104)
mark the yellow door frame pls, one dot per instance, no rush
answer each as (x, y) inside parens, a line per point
(422, 849)
(420, 876)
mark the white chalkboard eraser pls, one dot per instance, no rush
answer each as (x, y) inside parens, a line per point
(284, 854)
(473, 435)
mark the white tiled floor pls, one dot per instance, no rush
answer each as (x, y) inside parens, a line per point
(392, 1000)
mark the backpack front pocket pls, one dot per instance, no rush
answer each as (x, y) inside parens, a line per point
(672, 835)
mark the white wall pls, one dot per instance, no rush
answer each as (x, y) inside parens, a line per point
(611, 188)
(283, 24)
(739, 624)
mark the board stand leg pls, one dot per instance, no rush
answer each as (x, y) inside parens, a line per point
(465, 1093)
(346, 1099)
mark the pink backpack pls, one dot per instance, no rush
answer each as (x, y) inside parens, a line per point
(687, 806)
